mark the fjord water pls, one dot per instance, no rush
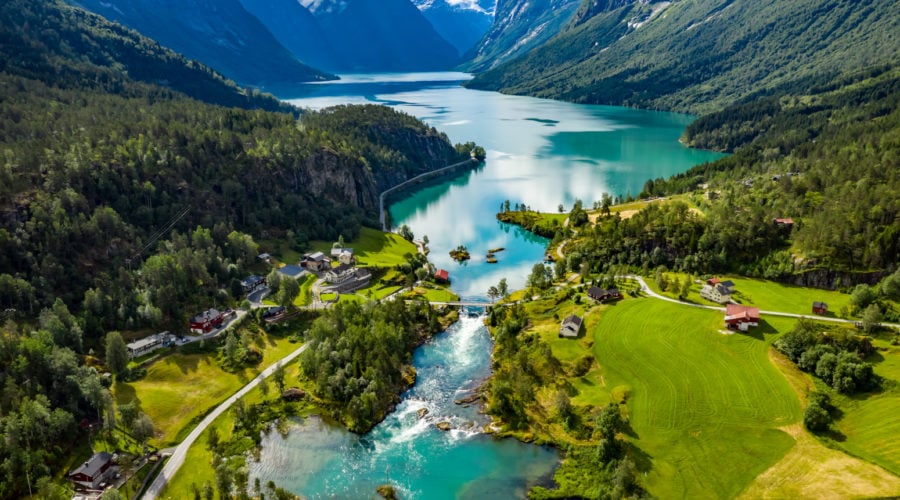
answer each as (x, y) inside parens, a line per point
(543, 153)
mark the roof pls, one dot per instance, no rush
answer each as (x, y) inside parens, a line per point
(341, 268)
(92, 467)
(253, 279)
(784, 220)
(205, 316)
(442, 274)
(337, 251)
(291, 270)
(737, 312)
(318, 256)
(728, 283)
(264, 256)
(820, 305)
(713, 281)
(573, 320)
(148, 341)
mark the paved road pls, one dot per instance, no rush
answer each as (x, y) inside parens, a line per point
(178, 456)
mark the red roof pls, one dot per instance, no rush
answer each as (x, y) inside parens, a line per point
(442, 274)
(737, 312)
(713, 281)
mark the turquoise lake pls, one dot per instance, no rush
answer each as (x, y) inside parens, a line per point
(540, 152)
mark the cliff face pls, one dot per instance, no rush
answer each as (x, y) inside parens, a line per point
(340, 179)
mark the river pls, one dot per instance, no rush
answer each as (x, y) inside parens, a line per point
(540, 152)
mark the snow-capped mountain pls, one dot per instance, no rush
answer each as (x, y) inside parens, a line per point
(460, 22)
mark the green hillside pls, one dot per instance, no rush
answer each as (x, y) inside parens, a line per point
(75, 49)
(699, 55)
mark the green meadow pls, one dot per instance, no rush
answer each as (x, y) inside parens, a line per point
(373, 248)
(180, 388)
(705, 407)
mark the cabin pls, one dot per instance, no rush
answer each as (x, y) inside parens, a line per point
(273, 313)
(442, 276)
(207, 321)
(316, 262)
(99, 469)
(717, 293)
(601, 295)
(738, 317)
(820, 308)
(149, 344)
(571, 327)
(253, 283)
(343, 255)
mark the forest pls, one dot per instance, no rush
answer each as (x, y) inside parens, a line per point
(798, 157)
(360, 357)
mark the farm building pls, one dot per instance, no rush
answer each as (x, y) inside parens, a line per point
(253, 283)
(342, 255)
(717, 293)
(149, 344)
(207, 320)
(738, 317)
(600, 294)
(571, 327)
(99, 469)
(316, 262)
(442, 275)
(820, 308)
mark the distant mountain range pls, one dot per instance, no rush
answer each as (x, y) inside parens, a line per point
(461, 22)
(697, 55)
(221, 33)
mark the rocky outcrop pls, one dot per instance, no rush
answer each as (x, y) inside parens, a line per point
(832, 280)
(340, 179)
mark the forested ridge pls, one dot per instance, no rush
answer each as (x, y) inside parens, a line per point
(828, 160)
(699, 56)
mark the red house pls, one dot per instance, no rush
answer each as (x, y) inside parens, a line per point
(207, 320)
(820, 308)
(96, 471)
(738, 317)
(442, 275)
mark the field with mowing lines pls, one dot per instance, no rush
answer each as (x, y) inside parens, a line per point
(181, 387)
(872, 429)
(705, 407)
(772, 296)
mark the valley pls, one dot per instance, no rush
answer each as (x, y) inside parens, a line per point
(449, 249)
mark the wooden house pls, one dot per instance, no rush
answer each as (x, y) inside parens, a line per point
(738, 317)
(717, 293)
(442, 276)
(571, 327)
(253, 283)
(99, 469)
(820, 308)
(600, 295)
(207, 321)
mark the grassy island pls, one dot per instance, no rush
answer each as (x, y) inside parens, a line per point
(460, 253)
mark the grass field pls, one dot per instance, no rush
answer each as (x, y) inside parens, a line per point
(305, 296)
(180, 388)
(705, 407)
(198, 463)
(871, 428)
(767, 295)
(433, 294)
(374, 248)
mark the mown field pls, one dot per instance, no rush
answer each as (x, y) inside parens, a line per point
(180, 388)
(373, 248)
(705, 407)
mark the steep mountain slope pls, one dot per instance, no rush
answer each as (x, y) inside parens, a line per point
(519, 26)
(296, 29)
(381, 35)
(220, 33)
(88, 52)
(460, 22)
(702, 54)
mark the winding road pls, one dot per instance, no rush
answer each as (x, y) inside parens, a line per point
(177, 459)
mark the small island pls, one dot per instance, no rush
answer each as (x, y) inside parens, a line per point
(460, 253)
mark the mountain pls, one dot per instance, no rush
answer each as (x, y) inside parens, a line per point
(460, 22)
(87, 52)
(220, 33)
(700, 55)
(519, 26)
(296, 29)
(381, 35)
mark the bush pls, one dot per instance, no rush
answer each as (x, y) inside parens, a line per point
(816, 418)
